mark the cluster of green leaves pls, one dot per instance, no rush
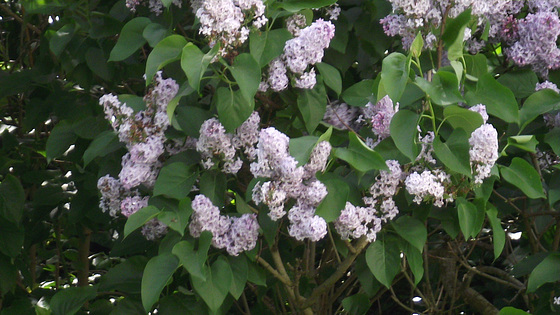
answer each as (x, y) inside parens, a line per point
(56, 143)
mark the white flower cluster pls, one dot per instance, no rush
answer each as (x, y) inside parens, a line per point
(427, 148)
(481, 109)
(225, 22)
(235, 234)
(156, 6)
(547, 85)
(379, 117)
(300, 52)
(428, 185)
(483, 152)
(215, 145)
(288, 180)
(341, 115)
(354, 222)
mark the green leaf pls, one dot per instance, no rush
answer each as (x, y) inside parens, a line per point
(154, 33)
(455, 152)
(193, 260)
(508, 310)
(394, 75)
(477, 66)
(537, 104)
(125, 277)
(412, 230)
(157, 273)
(454, 34)
(190, 118)
(70, 300)
(11, 238)
(166, 51)
(331, 206)
(194, 63)
(546, 271)
(527, 143)
(404, 133)
(415, 262)
(133, 101)
(97, 63)
(471, 217)
(498, 234)
(247, 73)
(177, 218)
(139, 218)
(240, 272)
(360, 156)
(463, 118)
(216, 287)
(233, 108)
(523, 176)
(175, 180)
(60, 139)
(213, 185)
(443, 89)
(12, 199)
(265, 46)
(61, 38)
(312, 104)
(417, 45)
(297, 5)
(9, 275)
(499, 100)
(358, 94)
(383, 259)
(521, 82)
(553, 139)
(103, 144)
(356, 304)
(301, 148)
(130, 40)
(331, 76)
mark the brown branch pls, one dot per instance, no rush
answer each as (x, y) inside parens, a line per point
(83, 256)
(19, 19)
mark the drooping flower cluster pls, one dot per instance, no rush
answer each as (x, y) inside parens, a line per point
(235, 234)
(300, 53)
(379, 117)
(536, 42)
(156, 6)
(547, 85)
(290, 181)
(355, 221)
(409, 17)
(483, 152)
(226, 22)
(215, 145)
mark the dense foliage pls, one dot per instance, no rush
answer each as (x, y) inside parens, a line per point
(295, 156)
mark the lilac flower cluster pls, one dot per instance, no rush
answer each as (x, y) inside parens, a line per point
(226, 21)
(411, 16)
(483, 152)
(341, 116)
(216, 146)
(300, 52)
(290, 181)
(429, 185)
(379, 117)
(156, 6)
(536, 42)
(235, 234)
(551, 119)
(354, 221)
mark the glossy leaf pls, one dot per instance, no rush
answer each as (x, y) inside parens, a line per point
(194, 63)
(470, 216)
(359, 93)
(443, 89)
(247, 73)
(546, 271)
(216, 287)
(359, 155)
(537, 104)
(301, 148)
(412, 230)
(459, 117)
(331, 76)
(265, 46)
(523, 176)
(12, 199)
(312, 105)
(415, 262)
(330, 207)
(193, 260)
(454, 34)
(394, 75)
(61, 138)
(498, 233)
(454, 153)
(499, 100)
(233, 108)
(404, 132)
(105, 143)
(157, 273)
(240, 272)
(383, 259)
(175, 180)
(70, 300)
(166, 51)
(139, 218)
(177, 219)
(130, 39)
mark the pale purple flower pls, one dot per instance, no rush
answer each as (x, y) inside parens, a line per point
(131, 204)
(483, 152)
(341, 115)
(481, 109)
(154, 229)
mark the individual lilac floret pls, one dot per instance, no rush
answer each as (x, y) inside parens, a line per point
(483, 152)
(234, 234)
(154, 229)
(481, 109)
(341, 116)
(379, 116)
(547, 85)
(225, 21)
(333, 12)
(295, 23)
(536, 46)
(215, 145)
(130, 205)
(428, 185)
